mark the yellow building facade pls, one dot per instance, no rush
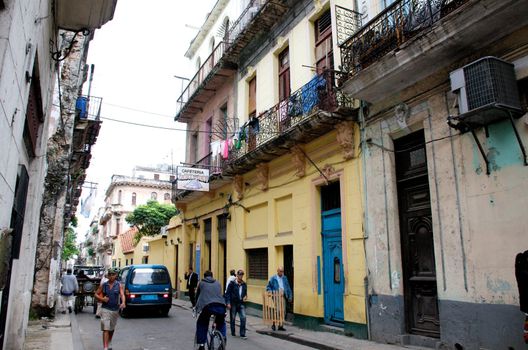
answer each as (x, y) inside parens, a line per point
(290, 194)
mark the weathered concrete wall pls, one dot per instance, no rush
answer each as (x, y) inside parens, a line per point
(51, 230)
(478, 222)
(25, 34)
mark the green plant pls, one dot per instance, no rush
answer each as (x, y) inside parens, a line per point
(91, 251)
(69, 247)
(150, 218)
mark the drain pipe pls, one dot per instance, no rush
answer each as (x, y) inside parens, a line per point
(363, 145)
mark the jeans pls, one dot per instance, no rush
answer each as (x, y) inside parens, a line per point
(202, 323)
(241, 310)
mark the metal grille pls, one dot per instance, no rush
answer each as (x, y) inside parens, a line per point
(258, 263)
(491, 81)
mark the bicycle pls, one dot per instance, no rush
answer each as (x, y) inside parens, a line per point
(215, 339)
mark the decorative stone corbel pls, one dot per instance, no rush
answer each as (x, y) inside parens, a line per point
(181, 206)
(262, 176)
(238, 184)
(328, 171)
(298, 160)
(345, 138)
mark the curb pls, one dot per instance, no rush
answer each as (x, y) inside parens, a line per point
(296, 339)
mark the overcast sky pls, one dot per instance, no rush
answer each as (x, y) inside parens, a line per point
(136, 56)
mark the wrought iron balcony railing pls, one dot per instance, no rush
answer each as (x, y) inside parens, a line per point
(201, 76)
(319, 94)
(88, 107)
(395, 25)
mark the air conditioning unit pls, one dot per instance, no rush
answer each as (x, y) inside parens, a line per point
(487, 92)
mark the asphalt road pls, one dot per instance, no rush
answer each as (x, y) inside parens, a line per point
(153, 332)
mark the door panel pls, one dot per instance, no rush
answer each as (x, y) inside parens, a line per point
(416, 228)
(333, 277)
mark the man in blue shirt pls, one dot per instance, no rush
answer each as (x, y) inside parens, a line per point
(279, 283)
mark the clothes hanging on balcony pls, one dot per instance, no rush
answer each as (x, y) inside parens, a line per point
(310, 93)
(225, 145)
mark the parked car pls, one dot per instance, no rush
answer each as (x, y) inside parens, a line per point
(147, 286)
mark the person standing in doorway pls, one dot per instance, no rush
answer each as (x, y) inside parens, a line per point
(279, 283)
(69, 287)
(112, 297)
(236, 297)
(192, 282)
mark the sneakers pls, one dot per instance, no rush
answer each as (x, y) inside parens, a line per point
(201, 347)
(281, 328)
(243, 337)
(273, 327)
(69, 309)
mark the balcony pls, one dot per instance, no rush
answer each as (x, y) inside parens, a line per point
(412, 39)
(210, 76)
(259, 16)
(80, 14)
(308, 113)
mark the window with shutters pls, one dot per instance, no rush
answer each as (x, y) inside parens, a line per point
(154, 196)
(34, 114)
(133, 198)
(252, 97)
(207, 246)
(284, 74)
(257, 262)
(19, 209)
(222, 227)
(324, 58)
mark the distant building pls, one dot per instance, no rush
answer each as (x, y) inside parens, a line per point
(123, 195)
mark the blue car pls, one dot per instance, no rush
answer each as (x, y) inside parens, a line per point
(146, 286)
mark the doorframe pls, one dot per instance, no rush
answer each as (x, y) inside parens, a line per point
(317, 243)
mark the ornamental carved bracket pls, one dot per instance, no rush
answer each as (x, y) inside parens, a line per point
(262, 176)
(345, 138)
(299, 161)
(328, 171)
(238, 184)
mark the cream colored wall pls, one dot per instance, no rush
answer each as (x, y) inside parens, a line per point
(478, 220)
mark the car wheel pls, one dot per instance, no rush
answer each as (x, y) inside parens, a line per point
(165, 311)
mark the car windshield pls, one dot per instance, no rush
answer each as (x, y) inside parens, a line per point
(149, 276)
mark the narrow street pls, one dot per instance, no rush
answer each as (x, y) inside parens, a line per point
(152, 332)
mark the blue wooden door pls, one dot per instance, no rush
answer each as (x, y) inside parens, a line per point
(333, 277)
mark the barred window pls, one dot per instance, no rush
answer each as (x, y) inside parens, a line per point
(257, 263)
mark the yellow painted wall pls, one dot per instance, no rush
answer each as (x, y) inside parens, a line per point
(288, 213)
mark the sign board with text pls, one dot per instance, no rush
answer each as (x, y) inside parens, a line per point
(192, 179)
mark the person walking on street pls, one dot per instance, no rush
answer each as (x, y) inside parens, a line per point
(232, 277)
(112, 297)
(279, 283)
(210, 301)
(236, 297)
(69, 287)
(192, 282)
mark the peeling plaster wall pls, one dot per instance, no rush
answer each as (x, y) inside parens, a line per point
(25, 34)
(51, 231)
(479, 224)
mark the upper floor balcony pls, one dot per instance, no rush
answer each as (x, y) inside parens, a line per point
(259, 16)
(306, 114)
(411, 39)
(83, 14)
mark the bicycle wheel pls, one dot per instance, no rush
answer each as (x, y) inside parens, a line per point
(217, 341)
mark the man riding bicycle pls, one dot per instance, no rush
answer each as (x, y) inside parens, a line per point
(210, 301)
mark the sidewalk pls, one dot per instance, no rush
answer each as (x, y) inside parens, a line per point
(47, 334)
(314, 339)
(57, 333)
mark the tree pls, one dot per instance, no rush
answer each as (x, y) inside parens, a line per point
(150, 218)
(69, 247)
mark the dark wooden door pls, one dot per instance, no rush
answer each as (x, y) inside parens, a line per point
(418, 260)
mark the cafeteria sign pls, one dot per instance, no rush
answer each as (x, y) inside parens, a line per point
(192, 179)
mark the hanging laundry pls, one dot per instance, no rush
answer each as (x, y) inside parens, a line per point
(254, 125)
(225, 149)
